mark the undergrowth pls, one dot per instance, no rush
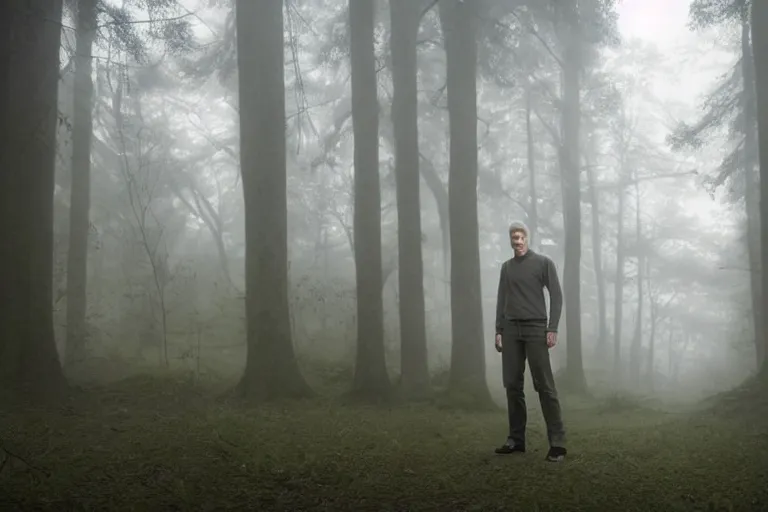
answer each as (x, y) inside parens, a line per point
(169, 443)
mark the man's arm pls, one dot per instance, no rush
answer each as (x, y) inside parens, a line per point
(555, 295)
(500, 295)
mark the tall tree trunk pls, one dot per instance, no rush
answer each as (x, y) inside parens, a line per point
(458, 20)
(371, 380)
(271, 369)
(414, 377)
(571, 190)
(597, 255)
(618, 290)
(533, 212)
(654, 307)
(670, 352)
(637, 339)
(80, 191)
(30, 35)
(751, 190)
(760, 55)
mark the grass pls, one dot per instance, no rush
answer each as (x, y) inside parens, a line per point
(162, 444)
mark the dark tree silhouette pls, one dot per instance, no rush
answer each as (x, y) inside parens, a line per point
(459, 22)
(271, 369)
(760, 53)
(30, 33)
(414, 377)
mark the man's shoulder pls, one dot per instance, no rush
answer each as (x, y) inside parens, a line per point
(543, 258)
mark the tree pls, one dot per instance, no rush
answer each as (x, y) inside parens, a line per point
(405, 18)
(271, 369)
(623, 138)
(760, 53)
(597, 246)
(371, 380)
(29, 62)
(578, 29)
(123, 32)
(733, 103)
(458, 19)
(80, 200)
(570, 169)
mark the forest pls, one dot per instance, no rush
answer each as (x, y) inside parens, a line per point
(251, 252)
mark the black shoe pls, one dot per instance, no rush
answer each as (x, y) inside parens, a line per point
(510, 447)
(556, 454)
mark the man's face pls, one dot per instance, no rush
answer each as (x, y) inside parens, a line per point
(519, 242)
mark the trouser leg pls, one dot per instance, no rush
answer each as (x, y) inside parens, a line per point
(513, 366)
(544, 384)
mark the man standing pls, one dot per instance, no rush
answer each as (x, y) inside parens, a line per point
(522, 331)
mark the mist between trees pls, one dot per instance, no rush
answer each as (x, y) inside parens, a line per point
(311, 197)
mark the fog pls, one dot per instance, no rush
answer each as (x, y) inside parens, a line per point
(623, 134)
(178, 198)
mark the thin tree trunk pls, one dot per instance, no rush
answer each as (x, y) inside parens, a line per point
(458, 20)
(80, 191)
(571, 191)
(414, 376)
(619, 284)
(370, 380)
(597, 255)
(760, 55)
(751, 190)
(651, 375)
(271, 369)
(30, 34)
(533, 215)
(637, 339)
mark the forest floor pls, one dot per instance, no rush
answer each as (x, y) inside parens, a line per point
(161, 444)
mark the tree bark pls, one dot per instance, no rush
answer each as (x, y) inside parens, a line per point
(760, 55)
(458, 20)
(637, 339)
(370, 381)
(751, 184)
(30, 34)
(618, 290)
(271, 369)
(414, 376)
(571, 190)
(597, 255)
(80, 191)
(533, 212)
(654, 307)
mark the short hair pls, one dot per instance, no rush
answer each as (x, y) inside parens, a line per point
(519, 226)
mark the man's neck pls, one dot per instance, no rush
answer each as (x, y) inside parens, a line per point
(523, 255)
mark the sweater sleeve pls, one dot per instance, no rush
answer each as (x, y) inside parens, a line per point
(500, 298)
(555, 295)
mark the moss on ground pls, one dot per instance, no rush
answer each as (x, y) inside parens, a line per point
(160, 444)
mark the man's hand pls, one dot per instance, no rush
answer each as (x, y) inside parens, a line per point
(551, 339)
(498, 343)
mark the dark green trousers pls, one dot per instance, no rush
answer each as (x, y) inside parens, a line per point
(523, 340)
